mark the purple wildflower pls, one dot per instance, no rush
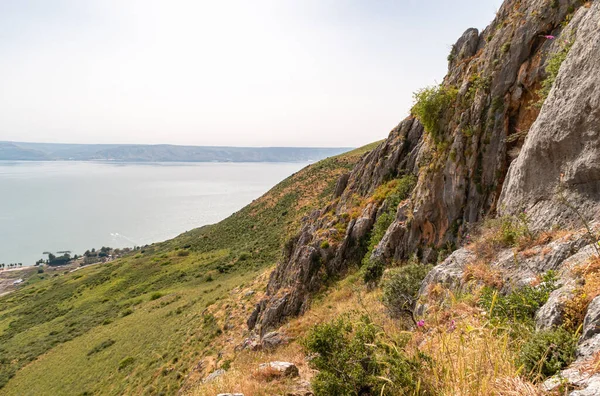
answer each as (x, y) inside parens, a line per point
(421, 323)
(452, 326)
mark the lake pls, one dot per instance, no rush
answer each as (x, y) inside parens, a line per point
(55, 206)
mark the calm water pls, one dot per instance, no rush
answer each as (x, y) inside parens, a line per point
(79, 205)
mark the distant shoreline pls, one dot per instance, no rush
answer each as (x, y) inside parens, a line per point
(25, 151)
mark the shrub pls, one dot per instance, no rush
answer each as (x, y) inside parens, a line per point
(155, 296)
(430, 104)
(547, 352)
(226, 365)
(520, 305)
(325, 245)
(354, 358)
(183, 253)
(244, 256)
(401, 287)
(126, 312)
(128, 361)
(503, 232)
(100, 347)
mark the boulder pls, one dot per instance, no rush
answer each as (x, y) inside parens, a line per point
(302, 388)
(551, 313)
(591, 323)
(214, 375)
(586, 384)
(252, 343)
(273, 339)
(449, 274)
(285, 369)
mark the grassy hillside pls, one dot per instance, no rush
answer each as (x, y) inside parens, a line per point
(142, 323)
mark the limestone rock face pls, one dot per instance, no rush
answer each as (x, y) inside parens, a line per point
(306, 265)
(562, 149)
(465, 47)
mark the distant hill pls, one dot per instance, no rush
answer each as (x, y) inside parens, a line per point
(18, 151)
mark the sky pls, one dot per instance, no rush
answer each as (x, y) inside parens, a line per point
(312, 73)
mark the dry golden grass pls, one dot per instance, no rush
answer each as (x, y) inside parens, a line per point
(515, 386)
(483, 273)
(244, 376)
(592, 366)
(489, 240)
(470, 356)
(576, 307)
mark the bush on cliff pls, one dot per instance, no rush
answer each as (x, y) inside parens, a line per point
(429, 107)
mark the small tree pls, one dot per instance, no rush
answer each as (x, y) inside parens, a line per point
(401, 288)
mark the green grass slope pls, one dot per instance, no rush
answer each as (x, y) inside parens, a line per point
(137, 325)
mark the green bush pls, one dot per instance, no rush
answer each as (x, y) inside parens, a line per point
(128, 361)
(127, 312)
(355, 358)
(401, 287)
(547, 352)
(100, 347)
(155, 296)
(244, 256)
(521, 304)
(509, 231)
(325, 245)
(373, 269)
(429, 107)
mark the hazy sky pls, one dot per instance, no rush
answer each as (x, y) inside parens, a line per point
(221, 72)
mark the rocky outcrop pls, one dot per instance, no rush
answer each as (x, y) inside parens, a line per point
(273, 340)
(562, 149)
(214, 375)
(578, 375)
(448, 274)
(493, 79)
(307, 264)
(551, 313)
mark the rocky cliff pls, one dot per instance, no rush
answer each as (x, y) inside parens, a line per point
(488, 142)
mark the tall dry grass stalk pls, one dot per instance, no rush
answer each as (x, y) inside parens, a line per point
(469, 356)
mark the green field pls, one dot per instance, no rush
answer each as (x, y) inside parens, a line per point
(140, 323)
